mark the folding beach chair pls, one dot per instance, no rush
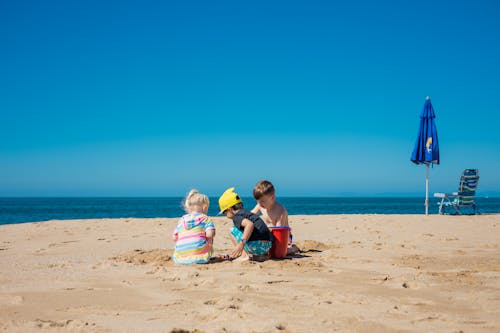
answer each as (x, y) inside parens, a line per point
(465, 195)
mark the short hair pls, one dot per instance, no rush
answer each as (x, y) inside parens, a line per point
(238, 206)
(262, 188)
(195, 198)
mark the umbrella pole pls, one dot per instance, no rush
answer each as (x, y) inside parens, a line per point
(427, 190)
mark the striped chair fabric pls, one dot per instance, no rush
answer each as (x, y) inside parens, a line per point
(465, 197)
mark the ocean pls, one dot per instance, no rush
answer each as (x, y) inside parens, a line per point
(20, 210)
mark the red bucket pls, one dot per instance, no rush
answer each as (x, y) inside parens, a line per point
(280, 242)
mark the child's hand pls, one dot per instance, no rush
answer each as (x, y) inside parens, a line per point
(238, 250)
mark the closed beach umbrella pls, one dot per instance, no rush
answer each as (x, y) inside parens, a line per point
(426, 149)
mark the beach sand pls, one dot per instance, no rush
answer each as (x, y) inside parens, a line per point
(356, 273)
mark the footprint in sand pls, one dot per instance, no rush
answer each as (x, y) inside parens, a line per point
(154, 271)
(281, 327)
(166, 305)
(41, 323)
(228, 303)
(277, 281)
(432, 317)
(172, 279)
(40, 251)
(103, 265)
(62, 243)
(181, 330)
(245, 288)
(211, 302)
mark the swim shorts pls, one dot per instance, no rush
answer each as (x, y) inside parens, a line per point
(257, 248)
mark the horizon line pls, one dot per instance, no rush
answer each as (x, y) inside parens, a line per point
(212, 196)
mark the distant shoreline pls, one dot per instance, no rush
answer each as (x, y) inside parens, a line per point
(350, 215)
(496, 196)
(22, 210)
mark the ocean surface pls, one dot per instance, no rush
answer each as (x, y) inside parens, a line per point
(19, 210)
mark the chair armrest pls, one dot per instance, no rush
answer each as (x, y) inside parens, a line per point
(440, 195)
(455, 193)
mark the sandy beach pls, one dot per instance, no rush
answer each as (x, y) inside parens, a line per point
(356, 273)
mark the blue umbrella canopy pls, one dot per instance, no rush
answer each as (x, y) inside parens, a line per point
(426, 150)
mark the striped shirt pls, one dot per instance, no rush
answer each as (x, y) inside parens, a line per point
(192, 246)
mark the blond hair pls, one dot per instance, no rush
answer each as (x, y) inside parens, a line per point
(195, 200)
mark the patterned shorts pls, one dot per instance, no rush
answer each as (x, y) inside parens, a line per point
(257, 248)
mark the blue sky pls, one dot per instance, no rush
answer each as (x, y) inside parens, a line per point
(151, 98)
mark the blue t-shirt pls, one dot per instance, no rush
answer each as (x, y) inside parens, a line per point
(260, 229)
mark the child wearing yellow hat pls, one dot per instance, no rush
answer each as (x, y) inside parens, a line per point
(249, 234)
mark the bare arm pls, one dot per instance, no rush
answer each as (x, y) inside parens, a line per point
(284, 218)
(175, 233)
(210, 233)
(247, 232)
(256, 209)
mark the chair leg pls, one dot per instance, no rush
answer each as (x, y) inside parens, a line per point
(441, 207)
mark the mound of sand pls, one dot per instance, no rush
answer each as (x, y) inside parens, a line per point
(156, 257)
(312, 246)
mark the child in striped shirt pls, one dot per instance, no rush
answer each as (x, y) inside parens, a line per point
(194, 233)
